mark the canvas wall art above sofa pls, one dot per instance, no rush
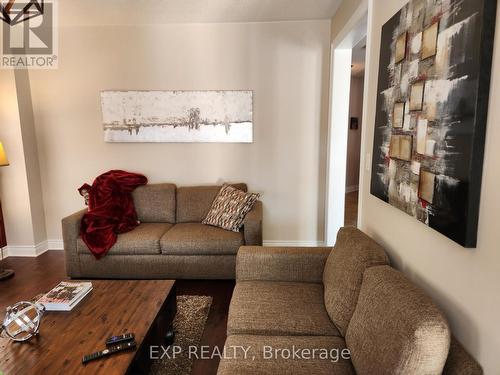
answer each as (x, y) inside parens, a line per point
(178, 116)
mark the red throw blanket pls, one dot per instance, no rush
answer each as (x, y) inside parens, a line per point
(111, 209)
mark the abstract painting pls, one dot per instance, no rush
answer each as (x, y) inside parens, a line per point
(432, 104)
(177, 116)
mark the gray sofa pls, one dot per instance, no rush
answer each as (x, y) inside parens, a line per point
(308, 300)
(169, 243)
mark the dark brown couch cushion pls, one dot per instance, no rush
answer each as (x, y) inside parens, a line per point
(194, 202)
(200, 239)
(143, 240)
(279, 308)
(396, 328)
(354, 252)
(155, 203)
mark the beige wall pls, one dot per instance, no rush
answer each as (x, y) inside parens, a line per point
(31, 155)
(284, 63)
(464, 282)
(354, 135)
(13, 180)
(20, 189)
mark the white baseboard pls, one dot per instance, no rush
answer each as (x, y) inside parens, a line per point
(273, 243)
(25, 250)
(352, 188)
(56, 244)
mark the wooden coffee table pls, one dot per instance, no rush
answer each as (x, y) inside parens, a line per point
(143, 307)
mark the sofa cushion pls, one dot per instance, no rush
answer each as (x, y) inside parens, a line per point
(155, 203)
(143, 240)
(200, 239)
(260, 359)
(279, 308)
(194, 202)
(354, 252)
(396, 328)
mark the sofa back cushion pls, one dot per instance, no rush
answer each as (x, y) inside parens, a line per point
(353, 252)
(396, 328)
(155, 203)
(194, 202)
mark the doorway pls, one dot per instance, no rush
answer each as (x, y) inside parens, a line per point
(354, 133)
(344, 46)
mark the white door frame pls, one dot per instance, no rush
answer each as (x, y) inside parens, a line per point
(340, 82)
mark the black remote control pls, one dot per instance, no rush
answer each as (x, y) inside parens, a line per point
(109, 351)
(119, 339)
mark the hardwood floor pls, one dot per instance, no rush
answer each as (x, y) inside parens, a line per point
(37, 275)
(33, 276)
(351, 209)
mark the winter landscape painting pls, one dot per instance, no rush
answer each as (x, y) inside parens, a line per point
(177, 116)
(432, 103)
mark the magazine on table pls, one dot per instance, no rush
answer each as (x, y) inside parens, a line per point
(65, 296)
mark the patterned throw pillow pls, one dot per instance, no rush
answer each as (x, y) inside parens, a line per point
(229, 208)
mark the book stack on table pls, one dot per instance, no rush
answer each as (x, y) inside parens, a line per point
(65, 296)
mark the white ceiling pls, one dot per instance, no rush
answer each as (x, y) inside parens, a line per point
(144, 12)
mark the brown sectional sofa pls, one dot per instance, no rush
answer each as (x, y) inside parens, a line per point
(348, 298)
(169, 243)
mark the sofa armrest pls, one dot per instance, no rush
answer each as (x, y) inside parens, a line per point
(71, 233)
(293, 264)
(252, 226)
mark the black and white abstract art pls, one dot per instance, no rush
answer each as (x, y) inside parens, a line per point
(432, 103)
(177, 116)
